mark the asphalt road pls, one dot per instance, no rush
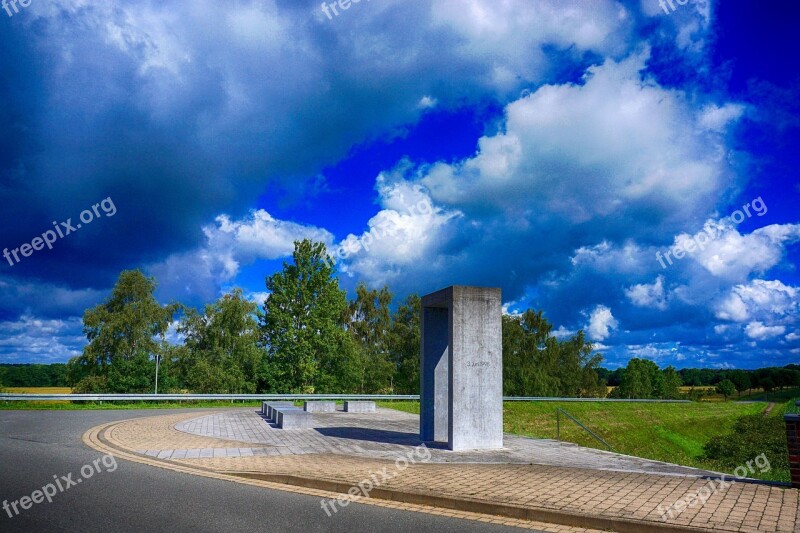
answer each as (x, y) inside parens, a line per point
(42, 447)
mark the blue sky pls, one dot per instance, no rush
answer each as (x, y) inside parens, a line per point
(558, 149)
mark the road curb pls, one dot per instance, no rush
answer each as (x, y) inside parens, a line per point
(572, 519)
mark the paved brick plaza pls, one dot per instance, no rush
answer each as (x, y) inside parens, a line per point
(538, 475)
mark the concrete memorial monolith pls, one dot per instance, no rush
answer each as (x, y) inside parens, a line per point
(461, 368)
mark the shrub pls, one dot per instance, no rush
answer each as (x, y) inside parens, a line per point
(752, 435)
(91, 385)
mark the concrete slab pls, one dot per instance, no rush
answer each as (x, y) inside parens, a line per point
(320, 407)
(359, 407)
(271, 407)
(293, 418)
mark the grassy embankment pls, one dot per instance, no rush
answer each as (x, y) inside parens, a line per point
(674, 433)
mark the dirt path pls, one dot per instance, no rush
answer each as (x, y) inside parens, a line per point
(769, 408)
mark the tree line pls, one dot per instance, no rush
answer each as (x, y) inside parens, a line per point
(307, 337)
(33, 375)
(726, 381)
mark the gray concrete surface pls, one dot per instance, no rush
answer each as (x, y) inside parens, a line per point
(359, 407)
(293, 418)
(320, 407)
(389, 434)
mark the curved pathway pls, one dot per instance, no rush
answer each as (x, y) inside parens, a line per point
(344, 451)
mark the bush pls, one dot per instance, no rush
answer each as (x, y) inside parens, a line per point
(91, 385)
(696, 395)
(752, 435)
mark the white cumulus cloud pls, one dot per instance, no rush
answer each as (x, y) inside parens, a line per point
(726, 253)
(601, 323)
(648, 295)
(231, 243)
(759, 298)
(757, 330)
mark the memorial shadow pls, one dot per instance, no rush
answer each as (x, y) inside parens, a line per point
(263, 417)
(377, 435)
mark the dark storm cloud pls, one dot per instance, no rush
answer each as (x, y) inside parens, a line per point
(180, 112)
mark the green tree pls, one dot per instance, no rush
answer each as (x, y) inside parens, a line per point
(726, 388)
(671, 384)
(767, 384)
(404, 345)
(741, 380)
(786, 377)
(641, 379)
(535, 363)
(124, 334)
(528, 356)
(691, 377)
(221, 355)
(302, 325)
(370, 323)
(579, 359)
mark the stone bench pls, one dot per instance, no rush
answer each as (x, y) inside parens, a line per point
(359, 407)
(320, 407)
(268, 409)
(292, 418)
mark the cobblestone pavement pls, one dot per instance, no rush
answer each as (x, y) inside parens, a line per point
(388, 434)
(350, 448)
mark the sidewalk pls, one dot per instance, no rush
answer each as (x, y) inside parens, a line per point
(556, 497)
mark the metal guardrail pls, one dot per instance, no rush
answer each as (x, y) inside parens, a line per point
(235, 397)
(549, 399)
(196, 397)
(592, 433)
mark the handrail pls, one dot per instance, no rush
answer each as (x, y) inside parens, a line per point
(190, 397)
(592, 433)
(610, 400)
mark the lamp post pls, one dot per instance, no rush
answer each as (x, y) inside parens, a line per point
(158, 358)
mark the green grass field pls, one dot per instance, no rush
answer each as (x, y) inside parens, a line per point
(670, 432)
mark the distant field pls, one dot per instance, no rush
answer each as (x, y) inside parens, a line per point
(774, 396)
(673, 433)
(684, 388)
(56, 404)
(38, 390)
(756, 394)
(709, 390)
